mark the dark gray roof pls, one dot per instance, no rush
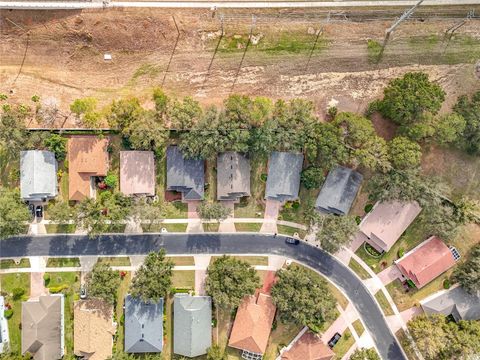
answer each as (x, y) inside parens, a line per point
(185, 175)
(192, 327)
(38, 175)
(233, 176)
(283, 181)
(143, 326)
(456, 302)
(339, 191)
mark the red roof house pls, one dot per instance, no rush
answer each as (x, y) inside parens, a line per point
(308, 347)
(426, 261)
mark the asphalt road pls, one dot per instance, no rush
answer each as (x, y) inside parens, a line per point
(120, 244)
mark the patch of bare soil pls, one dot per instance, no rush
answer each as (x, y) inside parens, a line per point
(384, 128)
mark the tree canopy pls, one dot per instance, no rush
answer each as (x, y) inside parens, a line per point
(468, 273)
(103, 283)
(469, 109)
(404, 153)
(365, 354)
(213, 211)
(336, 231)
(13, 213)
(229, 280)
(58, 145)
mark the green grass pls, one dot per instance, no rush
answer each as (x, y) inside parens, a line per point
(60, 228)
(337, 294)
(147, 70)
(344, 344)
(280, 336)
(176, 210)
(296, 214)
(288, 230)
(359, 329)
(252, 260)
(210, 180)
(253, 206)
(248, 227)
(358, 269)
(183, 279)
(8, 283)
(170, 227)
(115, 261)
(383, 302)
(121, 293)
(10, 264)
(63, 184)
(116, 228)
(406, 345)
(63, 262)
(374, 49)
(211, 227)
(182, 260)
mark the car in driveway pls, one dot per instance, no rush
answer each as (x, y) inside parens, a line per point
(83, 292)
(334, 340)
(292, 241)
(39, 211)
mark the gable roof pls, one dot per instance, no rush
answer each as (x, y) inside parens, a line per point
(93, 329)
(38, 175)
(308, 347)
(42, 327)
(233, 176)
(455, 301)
(283, 181)
(387, 221)
(137, 173)
(185, 175)
(192, 327)
(87, 157)
(426, 261)
(339, 191)
(253, 323)
(143, 326)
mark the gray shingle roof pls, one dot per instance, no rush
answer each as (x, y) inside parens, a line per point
(457, 302)
(339, 191)
(283, 181)
(143, 326)
(185, 175)
(233, 176)
(38, 175)
(192, 327)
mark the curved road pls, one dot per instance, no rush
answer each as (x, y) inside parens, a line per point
(216, 243)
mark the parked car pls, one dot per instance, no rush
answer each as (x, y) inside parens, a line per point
(334, 340)
(83, 292)
(292, 241)
(31, 207)
(39, 211)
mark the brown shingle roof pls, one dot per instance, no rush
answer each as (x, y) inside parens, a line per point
(93, 329)
(427, 261)
(137, 173)
(308, 347)
(253, 323)
(87, 157)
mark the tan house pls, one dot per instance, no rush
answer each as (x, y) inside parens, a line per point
(308, 347)
(87, 159)
(93, 329)
(387, 221)
(137, 173)
(253, 322)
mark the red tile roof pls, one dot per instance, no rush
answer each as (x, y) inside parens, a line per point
(427, 261)
(308, 347)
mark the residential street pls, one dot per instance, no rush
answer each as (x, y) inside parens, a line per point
(124, 244)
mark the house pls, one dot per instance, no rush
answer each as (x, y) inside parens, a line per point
(308, 347)
(387, 221)
(456, 302)
(143, 326)
(4, 338)
(339, 191)
(93, 329)
(43, 327)
(185, 175)
(252, 326)
(87, 159)
(233, 176)
(283, 181)
(137, 173)
(427, 261)
(38, 175)
(192, 325)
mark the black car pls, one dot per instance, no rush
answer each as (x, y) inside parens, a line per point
(39, 211)
(31, 207)
(333, 341)
(292, 241)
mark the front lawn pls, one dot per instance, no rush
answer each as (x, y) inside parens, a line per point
(383, 302)
(60, 228)
(358, 269)
(288, 230)
(182, 260)
(248, 227)
(295, 211)
(211, 227)
(252, 260)
(119, 316)
(344, 344)
(254, 206)
(10, 264)
(176, 210)
(63, 262)
(115, 261)
(359, 329)
(156, 228)
(183, 279)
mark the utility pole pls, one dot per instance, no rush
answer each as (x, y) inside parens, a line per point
(215, 52)
(449, 32)
(405, 16)
(244, 53)
(173, 51)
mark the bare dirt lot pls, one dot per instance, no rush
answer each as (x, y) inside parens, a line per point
(59, 55)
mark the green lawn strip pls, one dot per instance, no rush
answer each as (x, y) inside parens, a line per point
(63, 182)
(359, 329)
(252, 260)
(248, 227)
(10, 264)
(281, 335)
(63, 262)
(288, 230)
(183, 279)
(155, 228)
(168, 328)
(344, 344)
(182, 260)
(211, 227)
(67, 283)
(211, 180)
(8, 283)
(116, 228)
(60, 228)
(115, 260)
(119, 316)
(160, 172)
(358, 269)
(383, 302)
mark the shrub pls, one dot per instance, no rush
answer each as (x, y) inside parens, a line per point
(111, 180)
(312, 177)
(295, 205)
(17, 293)
(46, 279)
(358, 219)
(401, 252)
(446, 284)
(8, 313)
(374, 49)
(263, 177)
(57, 289)
(368, 208)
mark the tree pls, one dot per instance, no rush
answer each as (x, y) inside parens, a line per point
(146, 211)
(147, 132)
(153, 279)
(247, 112)
(58, 145)
(336, 231)
(184, 115)
(365, 354)
(14, 213)
(102, 282)
(214, 352)
(407, 98)
(213, 211)
(470, 111)
(325, 145)
(62, 212)
(161, 101)
(439, 219)
(468, 273)
(404, 154)
(449, 128)
(312, 177)
(85, 110)
(13, 133)
(229, 280)
(302, 298)
(111, 180)
(124, 112)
